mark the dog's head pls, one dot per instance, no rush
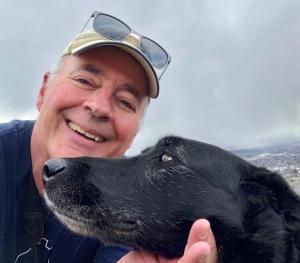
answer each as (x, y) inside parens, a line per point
(151, 200)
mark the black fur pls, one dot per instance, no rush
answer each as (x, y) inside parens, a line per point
(150, 201)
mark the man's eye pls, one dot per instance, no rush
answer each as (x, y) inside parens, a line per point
(166, 157)
(83, 81)
(127, 105)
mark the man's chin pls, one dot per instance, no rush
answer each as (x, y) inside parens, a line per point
(72, 150)
(68, 152)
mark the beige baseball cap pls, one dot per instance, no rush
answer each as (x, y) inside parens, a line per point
(90, 39)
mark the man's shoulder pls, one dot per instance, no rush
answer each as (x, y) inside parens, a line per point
(15, 165)
(15, 142)
(15, 126)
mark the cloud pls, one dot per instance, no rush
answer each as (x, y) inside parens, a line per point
(233, 79)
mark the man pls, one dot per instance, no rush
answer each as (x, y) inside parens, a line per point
(91, 105)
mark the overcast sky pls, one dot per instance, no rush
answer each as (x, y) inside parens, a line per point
(234, 77)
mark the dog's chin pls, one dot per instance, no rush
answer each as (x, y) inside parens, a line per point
(78, 226)
(114, 235)
(120, 232)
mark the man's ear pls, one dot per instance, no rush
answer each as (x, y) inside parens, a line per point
(42, 91)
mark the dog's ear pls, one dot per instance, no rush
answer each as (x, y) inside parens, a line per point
(266, 189)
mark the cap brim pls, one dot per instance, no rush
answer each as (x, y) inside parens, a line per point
(78, 45)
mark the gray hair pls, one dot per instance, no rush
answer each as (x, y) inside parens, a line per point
(56, 68)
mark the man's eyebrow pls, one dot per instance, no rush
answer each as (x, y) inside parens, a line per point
(97, 71)
(131, 89)
(91, 69)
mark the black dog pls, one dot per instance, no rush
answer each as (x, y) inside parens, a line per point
(150, 201)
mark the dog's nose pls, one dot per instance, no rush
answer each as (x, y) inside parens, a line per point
(53, 167)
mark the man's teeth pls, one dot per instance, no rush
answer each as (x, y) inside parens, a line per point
(78, 129)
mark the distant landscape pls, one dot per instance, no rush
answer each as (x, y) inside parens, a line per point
(284, 159)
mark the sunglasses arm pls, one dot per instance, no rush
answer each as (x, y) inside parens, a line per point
(87, 22)
(164, 69)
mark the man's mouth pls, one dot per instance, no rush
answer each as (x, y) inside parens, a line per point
(84, 133)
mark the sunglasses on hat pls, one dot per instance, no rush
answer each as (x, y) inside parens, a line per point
(114, 29)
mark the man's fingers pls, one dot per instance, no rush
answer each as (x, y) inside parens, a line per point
(138, 257)
(196, 253)
(199, 232)
(201, 244)
(200, 248)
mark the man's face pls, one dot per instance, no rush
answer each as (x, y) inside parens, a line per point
(93, 106)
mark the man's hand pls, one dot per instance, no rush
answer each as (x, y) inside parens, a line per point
(200, 248)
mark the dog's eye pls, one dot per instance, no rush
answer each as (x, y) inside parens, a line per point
(166, 158)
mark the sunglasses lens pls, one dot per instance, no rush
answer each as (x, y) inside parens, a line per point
(110, 27)
(153, 52)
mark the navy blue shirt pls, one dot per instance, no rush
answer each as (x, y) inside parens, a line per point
(58, 244)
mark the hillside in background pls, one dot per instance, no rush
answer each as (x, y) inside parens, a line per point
(284, 159)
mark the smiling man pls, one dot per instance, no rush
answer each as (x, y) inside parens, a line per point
(91, 105)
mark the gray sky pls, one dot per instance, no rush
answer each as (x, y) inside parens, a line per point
(234, 77)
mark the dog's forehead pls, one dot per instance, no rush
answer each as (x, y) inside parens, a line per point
(177, 145)
(171, 140)
(180, 142)
(193, 149)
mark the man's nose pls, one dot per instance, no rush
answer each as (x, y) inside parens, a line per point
(99, 104)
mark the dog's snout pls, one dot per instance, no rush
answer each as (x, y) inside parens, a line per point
(52, 167)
